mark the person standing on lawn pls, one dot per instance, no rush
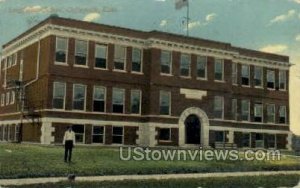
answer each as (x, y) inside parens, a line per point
(69, 142)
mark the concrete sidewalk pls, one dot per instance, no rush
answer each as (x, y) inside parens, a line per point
(28, 181)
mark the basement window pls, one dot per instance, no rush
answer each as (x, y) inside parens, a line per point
(79, 133)
(164, 134)
(98, 134)
(117, 135)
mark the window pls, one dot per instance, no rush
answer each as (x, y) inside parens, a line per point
(202, 67)
(117, 135)
(166, 62)
(258, 76)
(218, 107)
(271, 113)
(119, 57)
(81, 48)
(2, 99)
(118, 100)
(59, 94)
(246, 139)
(136, 60)
(79, 97)
(245, 75)
(12, 97)
(164, 134)
(234, 109)
(220, 136)
(135, 102)
(98, 134)
(15, 59)
(185, 63)
(259, 140)
(282, 114)
(164, 103)
(7, 98)
(79, 133)
(61, 50)
(9, 61)
(282, 80)
(258, 112)
(234, 73)
(270, 79)
(219, 68)
(245, 110)
(100, 56)
(99, 99)
(271, 140)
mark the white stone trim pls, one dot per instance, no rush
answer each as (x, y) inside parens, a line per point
(47, 130)
(193, 93)
(220, 128)
(204, 125)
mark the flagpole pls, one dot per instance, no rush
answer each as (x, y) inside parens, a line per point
(187, 18)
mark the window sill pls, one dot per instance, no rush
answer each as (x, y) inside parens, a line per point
(220, 81)
(271, 89)
(98, 68)
(186, 77)
(81, 66)
(283, 90)
(258, 87)
(120, 71)
(247, 86)
(203, 79)
(139, 73)
(165, 141)
(61, 63)
(165, 74)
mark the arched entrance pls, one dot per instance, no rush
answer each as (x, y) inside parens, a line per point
(193, 127)
(192, 130)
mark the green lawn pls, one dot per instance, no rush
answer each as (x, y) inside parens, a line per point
(245, 182)
(20, 161)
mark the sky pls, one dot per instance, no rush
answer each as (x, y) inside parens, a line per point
(265, 25)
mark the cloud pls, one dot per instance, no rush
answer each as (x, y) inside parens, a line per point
(194, 24)
(91, 17)
(37, 9)
(296, 1)
(283, 17)
(297, 38)
(2, 1)
(163, 23)
(210, 17)
(276, 48)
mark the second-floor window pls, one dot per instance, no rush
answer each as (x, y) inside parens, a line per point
(282, 80)
(245, 75)
(234, 109)
(234, 73)
(79, 92)
(99, 99)
(165, 103)
(219, 69)
(61, 50)
(218, 107)
(166, 62)
(136, 60)
(185, 65)
(258, 76)
(258, 112)
(100, 56)
(118, 100)
(282, 114)
(270, 79)
(271, 113)
(135, 102)
(202, 67)
(59, 94)
(245, 110)
(81, 48)
(119, 57)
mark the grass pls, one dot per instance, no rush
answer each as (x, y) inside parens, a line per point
(245, 182)
(22, 161)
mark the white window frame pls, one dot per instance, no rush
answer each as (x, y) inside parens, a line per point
(249, 81)
(261, 76)
(124, 98)
(142, 57)
(285, 114)
(94, 89)
(274, 109)
(15, 59)
(66, 50)
(65, 91)
(106, 56)
(140, 102)
(125, 59)
(248, 101)
(180, 66)
(12, 97)
(9, 61)
(222, 63)
(7, 98)
(112, 134)
(273, 79)
(285, 83)
(171, 63)
(234, 73)
(222, 100)
(87, 54)
(84, 105)
(92, 133)
(197, 61)
(170, 102)
(262, 112)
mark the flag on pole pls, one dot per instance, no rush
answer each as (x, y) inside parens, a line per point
(181, 3)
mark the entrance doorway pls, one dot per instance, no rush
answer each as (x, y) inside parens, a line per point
(192, 130)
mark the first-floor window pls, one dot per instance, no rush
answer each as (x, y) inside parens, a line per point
(245, 110)
(258, 112)
(79, 133)
(164, 103)
(135, 101)
(259, 140)
(118, 100)
(271, 141)
(218, 107)
(98, 134)
(79, 97)
(282, 114)
(271, 113)
(219, 136)
(99, 99)
(117, 135)
(59, 93)
(164, 134)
